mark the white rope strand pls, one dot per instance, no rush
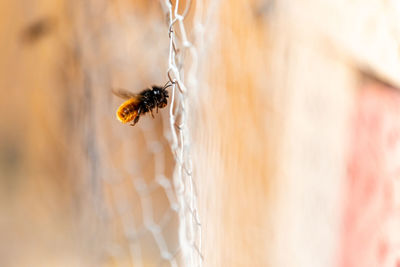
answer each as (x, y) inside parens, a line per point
(189, 222)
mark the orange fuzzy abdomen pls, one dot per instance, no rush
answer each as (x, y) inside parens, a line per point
(128, 110)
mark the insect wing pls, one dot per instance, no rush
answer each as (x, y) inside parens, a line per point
(124, 93)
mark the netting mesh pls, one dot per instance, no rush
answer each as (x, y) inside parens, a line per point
(190, 226)
(150, 201)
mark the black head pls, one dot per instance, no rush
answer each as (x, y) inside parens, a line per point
(161, 95)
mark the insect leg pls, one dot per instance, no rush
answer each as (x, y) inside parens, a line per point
(156, 104)
(137, 117)
(151, 111)
(135, 121)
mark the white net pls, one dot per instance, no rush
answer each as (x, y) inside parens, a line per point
(150, 213)
(190, 226)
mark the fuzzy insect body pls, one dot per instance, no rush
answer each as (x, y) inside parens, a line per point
(137, 105)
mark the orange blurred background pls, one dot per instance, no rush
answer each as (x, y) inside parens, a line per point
(294, 128)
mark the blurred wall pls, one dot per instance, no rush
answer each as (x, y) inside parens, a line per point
(289, 158)
(63, 201)
(293, 128)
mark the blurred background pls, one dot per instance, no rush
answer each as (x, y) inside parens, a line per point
(292, 114)
(73, 179)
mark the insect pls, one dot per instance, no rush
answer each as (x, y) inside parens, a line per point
(139, 104)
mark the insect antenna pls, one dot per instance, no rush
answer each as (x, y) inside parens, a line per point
(167, 85)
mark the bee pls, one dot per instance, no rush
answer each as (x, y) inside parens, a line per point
(139, 104)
